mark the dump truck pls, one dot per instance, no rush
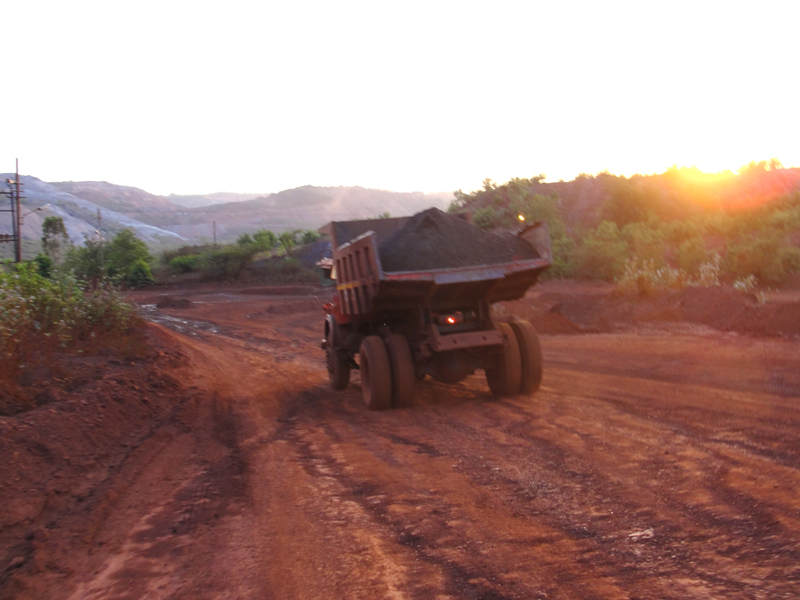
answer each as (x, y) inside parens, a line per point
(413, 297)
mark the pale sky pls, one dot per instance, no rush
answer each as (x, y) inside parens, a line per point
(197, 97)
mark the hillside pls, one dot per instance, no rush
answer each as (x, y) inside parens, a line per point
(169, 220)
(199, 201)
(666, 229)
(119, 198)
(306, 207)
(674, 194)
(79, 214)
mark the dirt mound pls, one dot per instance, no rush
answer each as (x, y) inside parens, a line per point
(173, 302)
(435, 240)
(97, 409)
(783, 319)
(556, 311)
(553, 324)
(718, 307)
(545, 321)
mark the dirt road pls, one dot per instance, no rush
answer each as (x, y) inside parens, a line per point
(652, 464)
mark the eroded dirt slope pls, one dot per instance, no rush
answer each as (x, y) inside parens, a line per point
(652, 464)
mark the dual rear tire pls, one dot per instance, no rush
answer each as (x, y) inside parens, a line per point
(387, 369)
(387, 372)
(519, 368)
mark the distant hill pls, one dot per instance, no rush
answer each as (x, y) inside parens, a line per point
(307, 207)
(199, 201)
(174, 219)
(80, 214)
(119, 198)
(582, 203)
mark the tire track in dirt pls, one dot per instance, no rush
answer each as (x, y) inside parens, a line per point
(651, 549)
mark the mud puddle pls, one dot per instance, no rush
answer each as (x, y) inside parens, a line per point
(181, 325)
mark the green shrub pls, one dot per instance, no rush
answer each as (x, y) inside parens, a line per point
(709, 272)
(54, 238)
(36, 312)
(265, 239)
(98, 258)
(645, 242)
(310, 236)
(645, 276)
(168, 255)
(44, 265)
(185, 264)
(790, 259)
(226, 262)
(485, 218)
(692, 253)
(245, 240)
(139, 274)
(124, 251)
(758, 255)
(602, 254)
(289, 270)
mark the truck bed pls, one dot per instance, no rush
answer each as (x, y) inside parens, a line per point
(365, 288)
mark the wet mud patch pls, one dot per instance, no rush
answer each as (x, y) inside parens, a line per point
(179, 324)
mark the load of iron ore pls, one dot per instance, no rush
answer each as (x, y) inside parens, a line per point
(436, 240)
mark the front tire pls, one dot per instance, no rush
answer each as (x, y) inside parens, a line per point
(376, 373)
(505, 377)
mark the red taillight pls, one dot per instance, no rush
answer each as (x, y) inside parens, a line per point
(451, 319)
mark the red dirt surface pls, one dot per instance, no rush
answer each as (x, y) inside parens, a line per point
(659, 461)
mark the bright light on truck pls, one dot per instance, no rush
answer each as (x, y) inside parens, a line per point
(451, 319)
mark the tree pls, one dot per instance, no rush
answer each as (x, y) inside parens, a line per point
(87, 261)
(692, 253)
(125, 249)
(310, 236)
(265, 239)
(602, 254)
(44, 265)
(139, 274)
(54, 238)
(626, 204)
(245, 240)
(286, 241)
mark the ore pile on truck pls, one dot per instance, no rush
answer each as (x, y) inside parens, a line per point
(412, 299)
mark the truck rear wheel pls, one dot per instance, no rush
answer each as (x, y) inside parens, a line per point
(403, 378)
(376, 373)
(505, 377)
(531, 354)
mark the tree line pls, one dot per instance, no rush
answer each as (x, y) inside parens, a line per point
(747, 223)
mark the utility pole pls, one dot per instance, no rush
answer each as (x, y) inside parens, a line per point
(14, 192)
(100, 240)
(19, 216)
(215, 233)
